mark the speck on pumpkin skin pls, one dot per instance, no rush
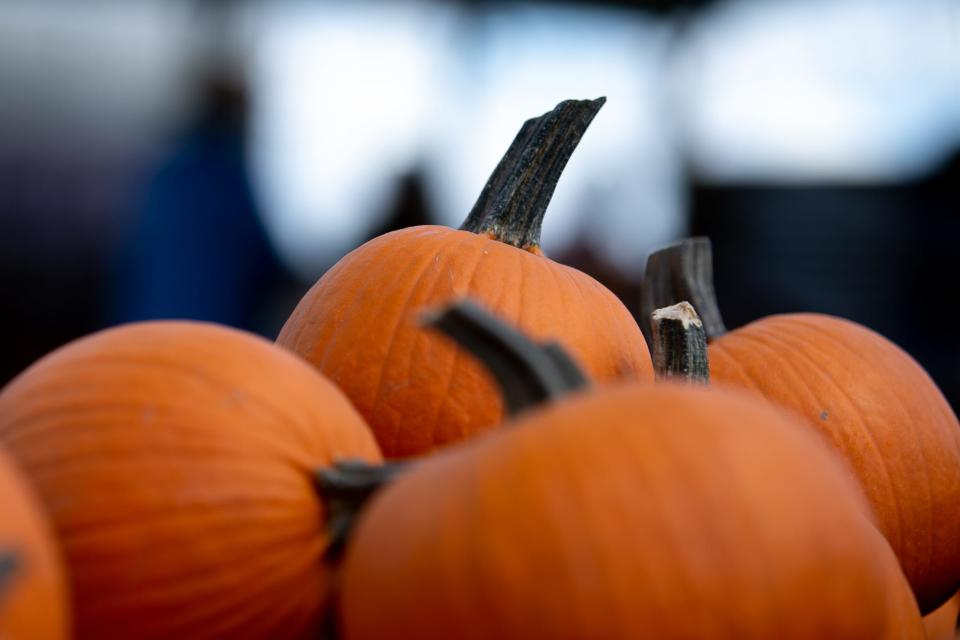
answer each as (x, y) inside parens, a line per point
(824, 414)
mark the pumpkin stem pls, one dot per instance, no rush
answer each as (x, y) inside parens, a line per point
(512, 204)
(682, 271)
(528, 373)
(9, 564)
(345, 487)
(679, 344)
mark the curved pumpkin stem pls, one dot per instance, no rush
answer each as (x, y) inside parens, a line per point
(9, 564)
(679, 344)
(513, 202)
(528, 373)
(682, 271)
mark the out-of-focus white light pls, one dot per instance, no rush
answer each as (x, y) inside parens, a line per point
(824, 89)
(342, 94)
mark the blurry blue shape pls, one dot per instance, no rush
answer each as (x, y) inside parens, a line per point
(198, 249)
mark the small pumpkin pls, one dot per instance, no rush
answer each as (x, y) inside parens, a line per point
(357, 324)
(175, 462)
(869, 398)
(633, 511)
(942, 623)
(33, 595)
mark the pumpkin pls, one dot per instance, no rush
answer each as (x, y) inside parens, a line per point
(636, 511)
(33, 596)
(175, 461)
(871, 401)
(358, 323)
(633, 511)
(942, 623)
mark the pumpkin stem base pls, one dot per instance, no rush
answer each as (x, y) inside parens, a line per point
(346, 487)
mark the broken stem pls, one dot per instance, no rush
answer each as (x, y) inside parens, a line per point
(679, 344)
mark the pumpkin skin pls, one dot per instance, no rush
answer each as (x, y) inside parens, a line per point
(942, 623)
(33, 600)
(359, 326)
(174, 460)
(636, 511)
(882, 412)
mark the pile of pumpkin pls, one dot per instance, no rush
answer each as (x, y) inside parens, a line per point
(510, 473)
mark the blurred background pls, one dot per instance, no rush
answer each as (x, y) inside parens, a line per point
(164, 158)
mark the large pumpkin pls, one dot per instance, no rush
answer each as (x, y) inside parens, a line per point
(175, 462)
(33, 595)
(358, 324)
(870, 399)
(636, 511)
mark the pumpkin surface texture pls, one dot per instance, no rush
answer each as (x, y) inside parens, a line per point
(882, 412)
(874, 404)
(175, 461)
(358, 324)
(635, 511)
(33, 596)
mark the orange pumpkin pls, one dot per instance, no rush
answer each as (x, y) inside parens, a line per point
(175, 461)
(636, 511)
(870, 400)
(358, 323)
(33, 596)
(942, 623)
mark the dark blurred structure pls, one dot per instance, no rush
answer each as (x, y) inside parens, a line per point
(409, 207)
(52, 250)
(881, 255)
(197, 248)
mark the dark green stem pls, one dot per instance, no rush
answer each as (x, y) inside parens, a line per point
(346, 487)
(528, 373)
(679, 344)
(513, 202)
(682, 272)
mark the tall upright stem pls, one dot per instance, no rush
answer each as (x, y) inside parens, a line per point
(512, 204)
